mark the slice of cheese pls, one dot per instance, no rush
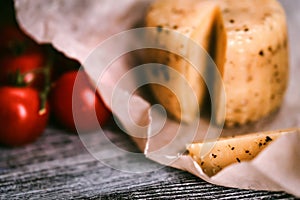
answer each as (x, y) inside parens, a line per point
(253, 62)
(231, 150)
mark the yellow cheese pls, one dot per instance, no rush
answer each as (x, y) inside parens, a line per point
(185, 18)
(256, 68)
(231, 150)
(253, 62)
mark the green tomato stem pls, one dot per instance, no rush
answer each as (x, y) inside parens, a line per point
(46, 71)
(44, 93)
(19, 79)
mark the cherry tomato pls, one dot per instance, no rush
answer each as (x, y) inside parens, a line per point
(81, 102)
(21, 119)
(20, 53)
(27, 64)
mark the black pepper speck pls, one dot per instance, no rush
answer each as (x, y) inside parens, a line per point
(261, 53)
(165, 72)
(270, 48)
(159, 29)
(226, 10)
(155, 71)
(268, 139)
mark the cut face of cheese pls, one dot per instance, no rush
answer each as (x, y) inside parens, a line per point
(198, 21)
(248, 42)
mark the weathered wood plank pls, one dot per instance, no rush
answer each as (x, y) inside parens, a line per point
(57, 166)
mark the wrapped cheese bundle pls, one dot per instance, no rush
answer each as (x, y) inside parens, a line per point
(251, 53)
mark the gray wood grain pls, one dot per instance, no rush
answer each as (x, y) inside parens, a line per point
(57, 166)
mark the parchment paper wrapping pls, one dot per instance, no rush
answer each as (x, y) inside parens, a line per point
(76, 27)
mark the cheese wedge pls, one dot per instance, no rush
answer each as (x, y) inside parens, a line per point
(251, 54)
(231, 150)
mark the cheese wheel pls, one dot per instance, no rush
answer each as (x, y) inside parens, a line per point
(231, 150)
(251, 53)
(256, 67)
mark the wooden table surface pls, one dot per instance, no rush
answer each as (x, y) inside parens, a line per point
(57, 166)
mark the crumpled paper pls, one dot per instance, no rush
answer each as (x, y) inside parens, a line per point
(77, 27)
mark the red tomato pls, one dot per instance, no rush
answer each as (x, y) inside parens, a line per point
(26, 63)
(82, 103)
(21, 119)
(18, 52)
